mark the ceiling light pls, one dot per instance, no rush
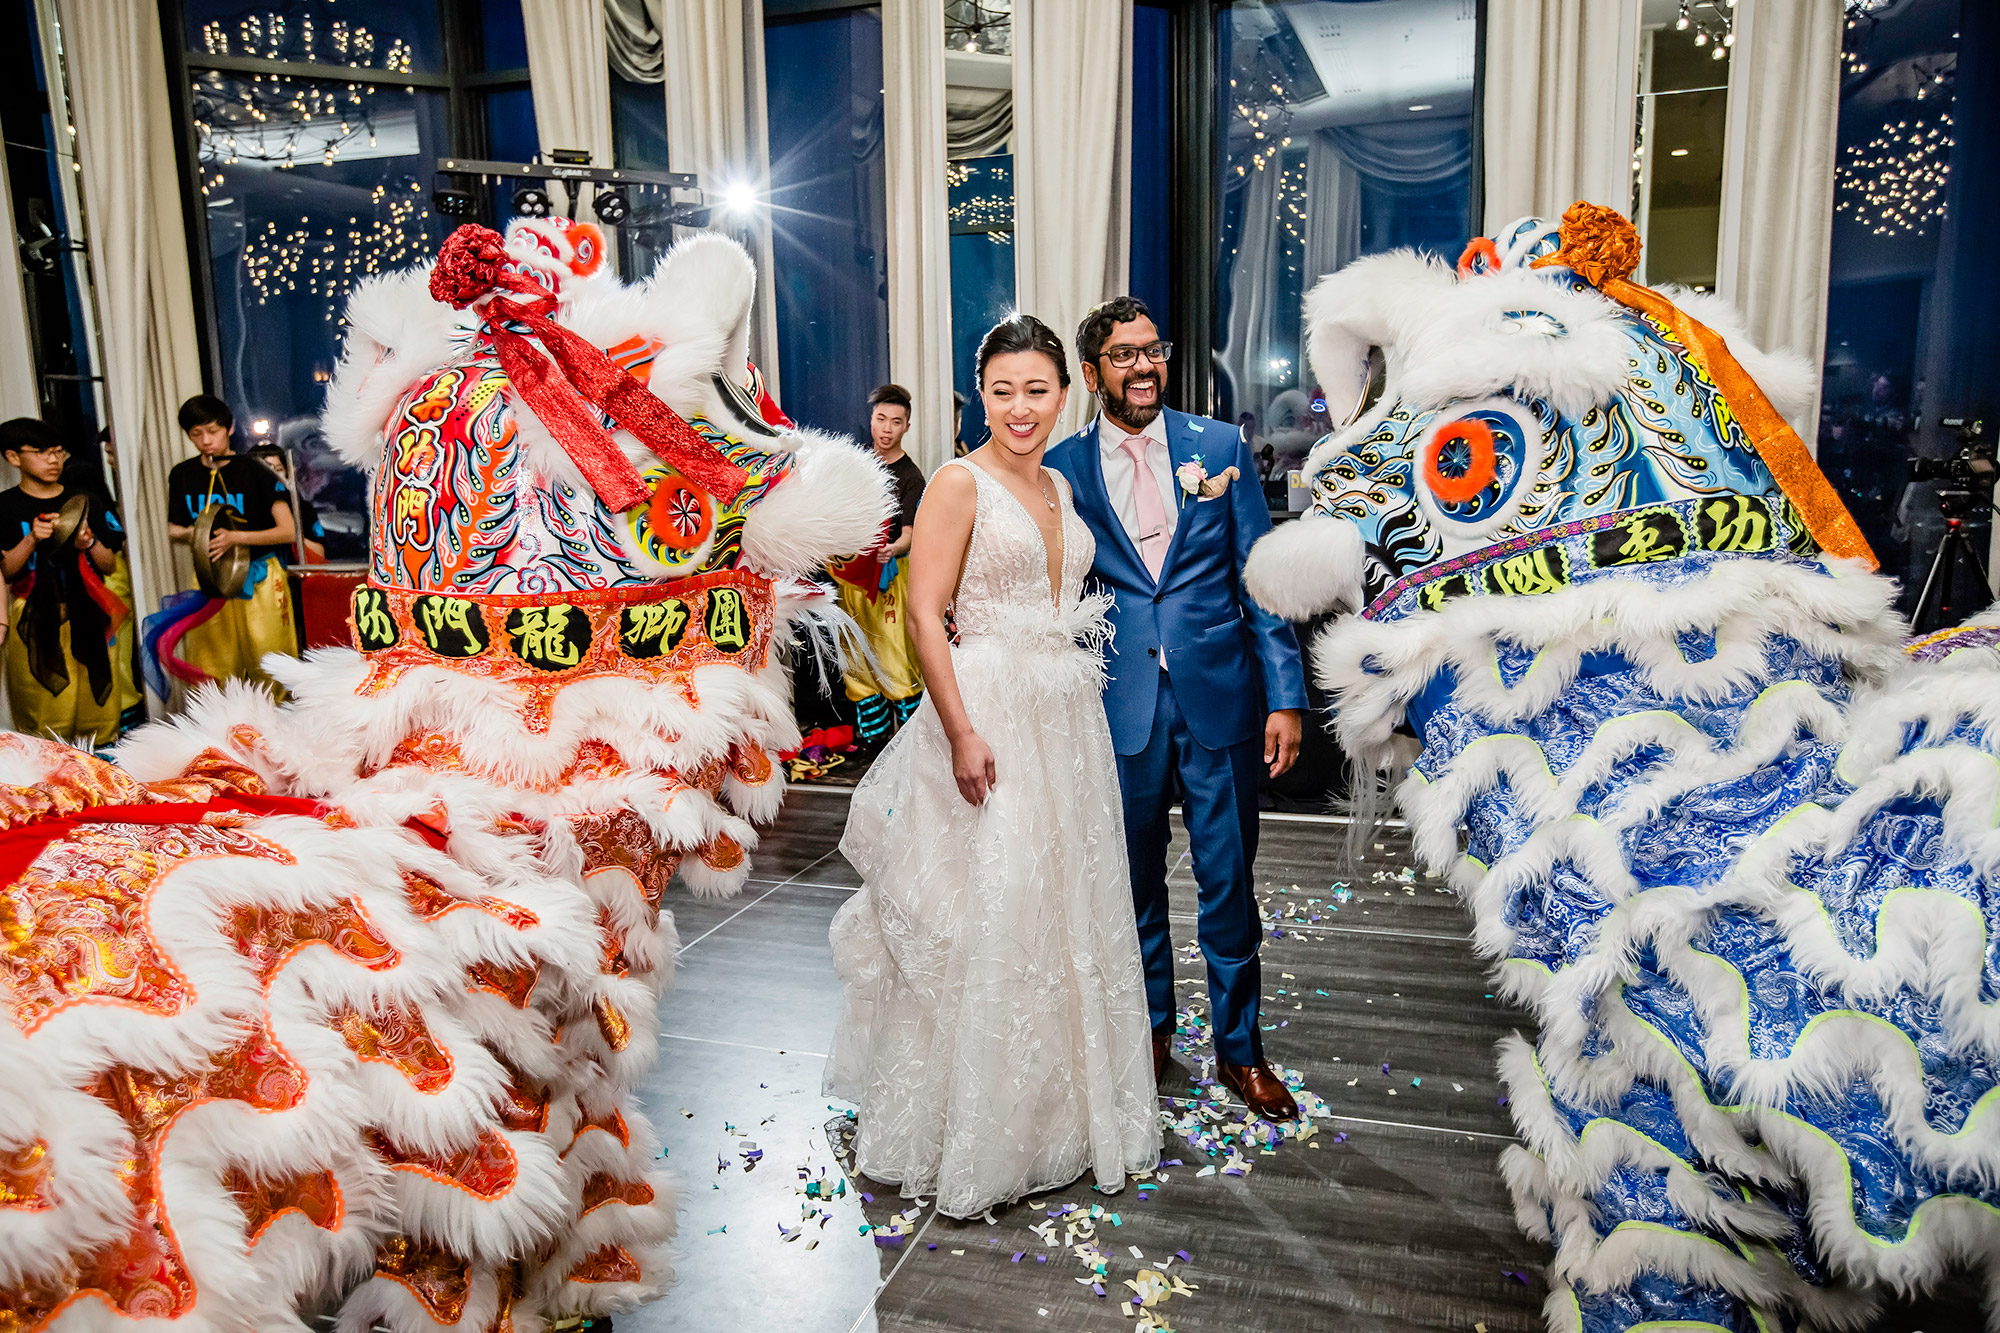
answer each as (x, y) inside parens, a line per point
(1421, 106)
(1678, 152)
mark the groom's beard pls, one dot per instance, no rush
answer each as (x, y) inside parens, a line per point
(1136, 415)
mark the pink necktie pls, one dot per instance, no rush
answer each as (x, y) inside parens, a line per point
(1152, 509)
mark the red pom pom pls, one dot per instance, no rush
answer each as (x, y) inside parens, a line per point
(468, 266)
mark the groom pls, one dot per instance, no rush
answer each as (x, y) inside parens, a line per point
(1206, 689)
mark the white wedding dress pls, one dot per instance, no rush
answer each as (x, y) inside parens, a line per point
(995, 1034)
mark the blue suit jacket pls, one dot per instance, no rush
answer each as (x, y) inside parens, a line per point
(1232, 662)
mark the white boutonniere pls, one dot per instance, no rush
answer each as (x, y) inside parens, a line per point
(1194, 480)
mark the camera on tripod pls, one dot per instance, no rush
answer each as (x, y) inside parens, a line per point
(1964, 500)
(1971, 469)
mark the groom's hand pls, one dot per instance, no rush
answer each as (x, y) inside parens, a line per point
(1283, 731)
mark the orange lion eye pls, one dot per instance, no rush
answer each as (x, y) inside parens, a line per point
(1460, 461)
(680, 515)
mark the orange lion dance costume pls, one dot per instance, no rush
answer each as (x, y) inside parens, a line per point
(339, 1004)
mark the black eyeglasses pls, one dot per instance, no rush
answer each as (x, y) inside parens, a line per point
(1125, 356)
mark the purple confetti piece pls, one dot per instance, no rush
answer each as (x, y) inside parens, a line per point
(1040, 1258)
(867, 1198)
(931, 1246)
(1097, 1287)
(1017, 1256)
(1522, 1278)
(1184, 1256)
(1385, 1066)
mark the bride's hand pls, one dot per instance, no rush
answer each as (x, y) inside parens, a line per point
(972, 767)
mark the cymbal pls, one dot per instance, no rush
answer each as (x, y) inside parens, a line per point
(68, 519)
(224, 577)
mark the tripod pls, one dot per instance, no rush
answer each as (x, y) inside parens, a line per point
(1953, 547)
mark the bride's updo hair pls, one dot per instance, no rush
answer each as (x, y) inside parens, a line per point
(1024, 333)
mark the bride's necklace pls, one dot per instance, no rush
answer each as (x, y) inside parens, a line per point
(1042, 484)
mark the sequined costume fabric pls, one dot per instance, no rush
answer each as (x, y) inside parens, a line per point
(995, 1034)
(1734, 848)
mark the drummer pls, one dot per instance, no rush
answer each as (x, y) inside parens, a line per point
(69, 655)
(255, 514)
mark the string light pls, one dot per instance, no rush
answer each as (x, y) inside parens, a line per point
(328, 263)
(292, 35)
(989, 211)
(1894, 184)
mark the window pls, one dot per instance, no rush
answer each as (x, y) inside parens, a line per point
(981, 208)
(1677, 162)
(829, 228)
(1910, 343)
(1341, 130)
(1152, 162)
(315, 127)
(47, 215)
(979, 138)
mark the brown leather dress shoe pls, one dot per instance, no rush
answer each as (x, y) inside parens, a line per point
(1163, 1045)
(1261, 1090)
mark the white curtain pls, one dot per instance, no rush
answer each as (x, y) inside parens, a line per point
(1560, 84)
(1333, 209)
(1072, 164)
(919, 232)
(1777, 176)
(712, 61)
(138, 250)
(632, 40)
(571, 74)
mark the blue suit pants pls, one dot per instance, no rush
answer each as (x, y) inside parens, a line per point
(1218, 791)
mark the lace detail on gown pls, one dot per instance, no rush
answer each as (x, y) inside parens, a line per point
(995, 1034)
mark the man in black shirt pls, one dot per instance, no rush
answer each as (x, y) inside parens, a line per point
(874, 587)
(71, 597)
(312, 537)
(257, 515)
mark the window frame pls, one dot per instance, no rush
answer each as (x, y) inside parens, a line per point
(462, 82)
(1195, 226)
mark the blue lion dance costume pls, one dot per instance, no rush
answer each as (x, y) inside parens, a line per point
(1731, 840)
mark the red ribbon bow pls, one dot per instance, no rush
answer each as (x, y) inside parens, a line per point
(568, 377)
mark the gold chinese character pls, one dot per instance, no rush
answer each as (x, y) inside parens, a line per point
(659, 624)
(727, 625)
(439, 614)
(372, 621)
(542, 636)
(1527, 574)
(1737, 523)
(1643, 543)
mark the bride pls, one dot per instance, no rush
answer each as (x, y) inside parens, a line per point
(995, 1034)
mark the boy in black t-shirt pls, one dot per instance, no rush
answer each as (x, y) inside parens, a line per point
(68, 667)
(258, 515)
(874, 587)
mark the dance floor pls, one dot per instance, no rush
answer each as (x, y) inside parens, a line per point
(1391, 1216)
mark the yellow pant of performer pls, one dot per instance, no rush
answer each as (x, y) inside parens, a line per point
(73, 714)
(884, 619)
(232, 643)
